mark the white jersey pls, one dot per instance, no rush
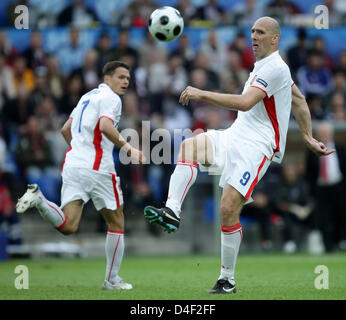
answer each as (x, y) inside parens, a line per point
(89, 147)
(265, 125)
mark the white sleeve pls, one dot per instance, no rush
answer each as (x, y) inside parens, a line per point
(270, 79)
(110, 107)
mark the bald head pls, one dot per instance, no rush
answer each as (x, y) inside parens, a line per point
(265, 36)
(270, 24)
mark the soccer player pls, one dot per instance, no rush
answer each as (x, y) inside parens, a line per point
(244, 151)
(88, 171)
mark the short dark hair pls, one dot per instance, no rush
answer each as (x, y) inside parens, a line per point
(110, 67)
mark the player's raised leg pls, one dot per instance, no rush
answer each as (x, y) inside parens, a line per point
(114, 248)
(65, 220)
(231, 205)
(192, 151)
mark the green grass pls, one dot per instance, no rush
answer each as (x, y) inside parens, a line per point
(178, 277)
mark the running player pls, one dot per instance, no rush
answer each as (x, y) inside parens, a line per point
(244, 151)
(88, 171)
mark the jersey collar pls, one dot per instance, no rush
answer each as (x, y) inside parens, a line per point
(263, 61)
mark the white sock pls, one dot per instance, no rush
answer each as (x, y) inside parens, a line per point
(231, 237)
(50, 212)
(183, 177)
(114, 254)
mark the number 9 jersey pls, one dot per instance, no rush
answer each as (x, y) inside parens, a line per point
(91, 149)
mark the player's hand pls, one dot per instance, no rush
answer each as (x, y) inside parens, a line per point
(137, 155)
(318, 148)
(190, 93)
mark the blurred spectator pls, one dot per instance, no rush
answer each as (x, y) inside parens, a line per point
(211, 11)
(241, 45)
(7, 89)
(77, 15)
(71, 56)
(137, 13)
(35, 54)
(199, 110)
(201, 62)
(314, 78)
(157, 82)
(22, 75)
(318, 44)
(9, 219)
(336, 11)
(187, 10)
(41, 85)
(215, 50)
(6, 48)
(315, 103)
(234, 72)
(123, 47)
(105, 51)
(44, 14)
(51, 123)
(130, 115)
(150, 51)
(283, 7)
(17, 110)
(176, 76)
(292, 199)
(342, 62)
(89, 72)
(336, 111)
(33, 155)
(54, 79)
(245, 13)
(73, 90)
(297, 55)
(326, 176)
(47, 115)
(186, 51)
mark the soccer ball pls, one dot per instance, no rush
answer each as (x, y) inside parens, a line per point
(166, 24)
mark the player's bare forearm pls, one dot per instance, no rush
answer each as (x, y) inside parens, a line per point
(66, 131)
(302, 114)
(303, 117)
(108, 129)
(240, 102)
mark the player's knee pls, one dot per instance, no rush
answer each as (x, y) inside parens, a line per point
(228, 209)
(188, 149)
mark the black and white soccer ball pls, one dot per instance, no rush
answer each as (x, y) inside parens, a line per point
(166, 24)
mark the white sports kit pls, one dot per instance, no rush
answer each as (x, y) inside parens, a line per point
(244, 151)
(88, 171)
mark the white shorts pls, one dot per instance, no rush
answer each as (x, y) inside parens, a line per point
(85, 184)
(239, 163)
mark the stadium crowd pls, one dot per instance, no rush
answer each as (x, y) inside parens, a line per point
(39, 89)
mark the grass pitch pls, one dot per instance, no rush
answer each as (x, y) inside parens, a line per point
(269, 276)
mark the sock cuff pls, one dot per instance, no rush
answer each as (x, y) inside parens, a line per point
(187, 162)
(115, 231)
(60, 227)
(231, 229)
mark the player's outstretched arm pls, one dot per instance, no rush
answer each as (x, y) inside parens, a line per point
(302, 114)
(241, 102)
(108, 129)
(66, 131)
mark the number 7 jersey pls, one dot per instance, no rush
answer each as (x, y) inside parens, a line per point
(89, 147)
